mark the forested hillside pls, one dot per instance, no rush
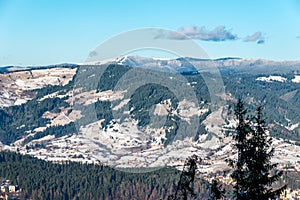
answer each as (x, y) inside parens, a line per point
(45, 180)
(279, 98)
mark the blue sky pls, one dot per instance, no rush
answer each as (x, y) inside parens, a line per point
(45, 32)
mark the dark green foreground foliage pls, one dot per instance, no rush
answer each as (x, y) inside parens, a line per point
(45, 180)
(253, 171)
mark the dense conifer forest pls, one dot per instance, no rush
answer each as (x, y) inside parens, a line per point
(45, 180)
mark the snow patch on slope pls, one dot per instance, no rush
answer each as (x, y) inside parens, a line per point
(296, 79)
(16, 87)
(272, 78)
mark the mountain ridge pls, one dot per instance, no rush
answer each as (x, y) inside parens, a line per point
(68, 118)
(171, 64)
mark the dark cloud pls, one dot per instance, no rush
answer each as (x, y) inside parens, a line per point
(255, 37)
(298, 37)
(262, 41)
(93, 53)
(201, 33)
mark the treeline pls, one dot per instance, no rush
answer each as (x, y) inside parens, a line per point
(45, 180)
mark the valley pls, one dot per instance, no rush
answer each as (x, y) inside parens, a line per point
(84, 113)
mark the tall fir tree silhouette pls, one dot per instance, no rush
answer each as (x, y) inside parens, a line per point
(184, 188)
(260, 152)
(253, 171)
(242, 132)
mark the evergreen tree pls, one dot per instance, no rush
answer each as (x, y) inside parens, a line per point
(259, 163)
(184, 187)
(253, 172)
(242, 132)
(216, 191)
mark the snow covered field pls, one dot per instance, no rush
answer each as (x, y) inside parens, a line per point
(15, 87)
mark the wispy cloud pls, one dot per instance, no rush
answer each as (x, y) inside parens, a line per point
(298, 37)
(255, 37)
(220, 33)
